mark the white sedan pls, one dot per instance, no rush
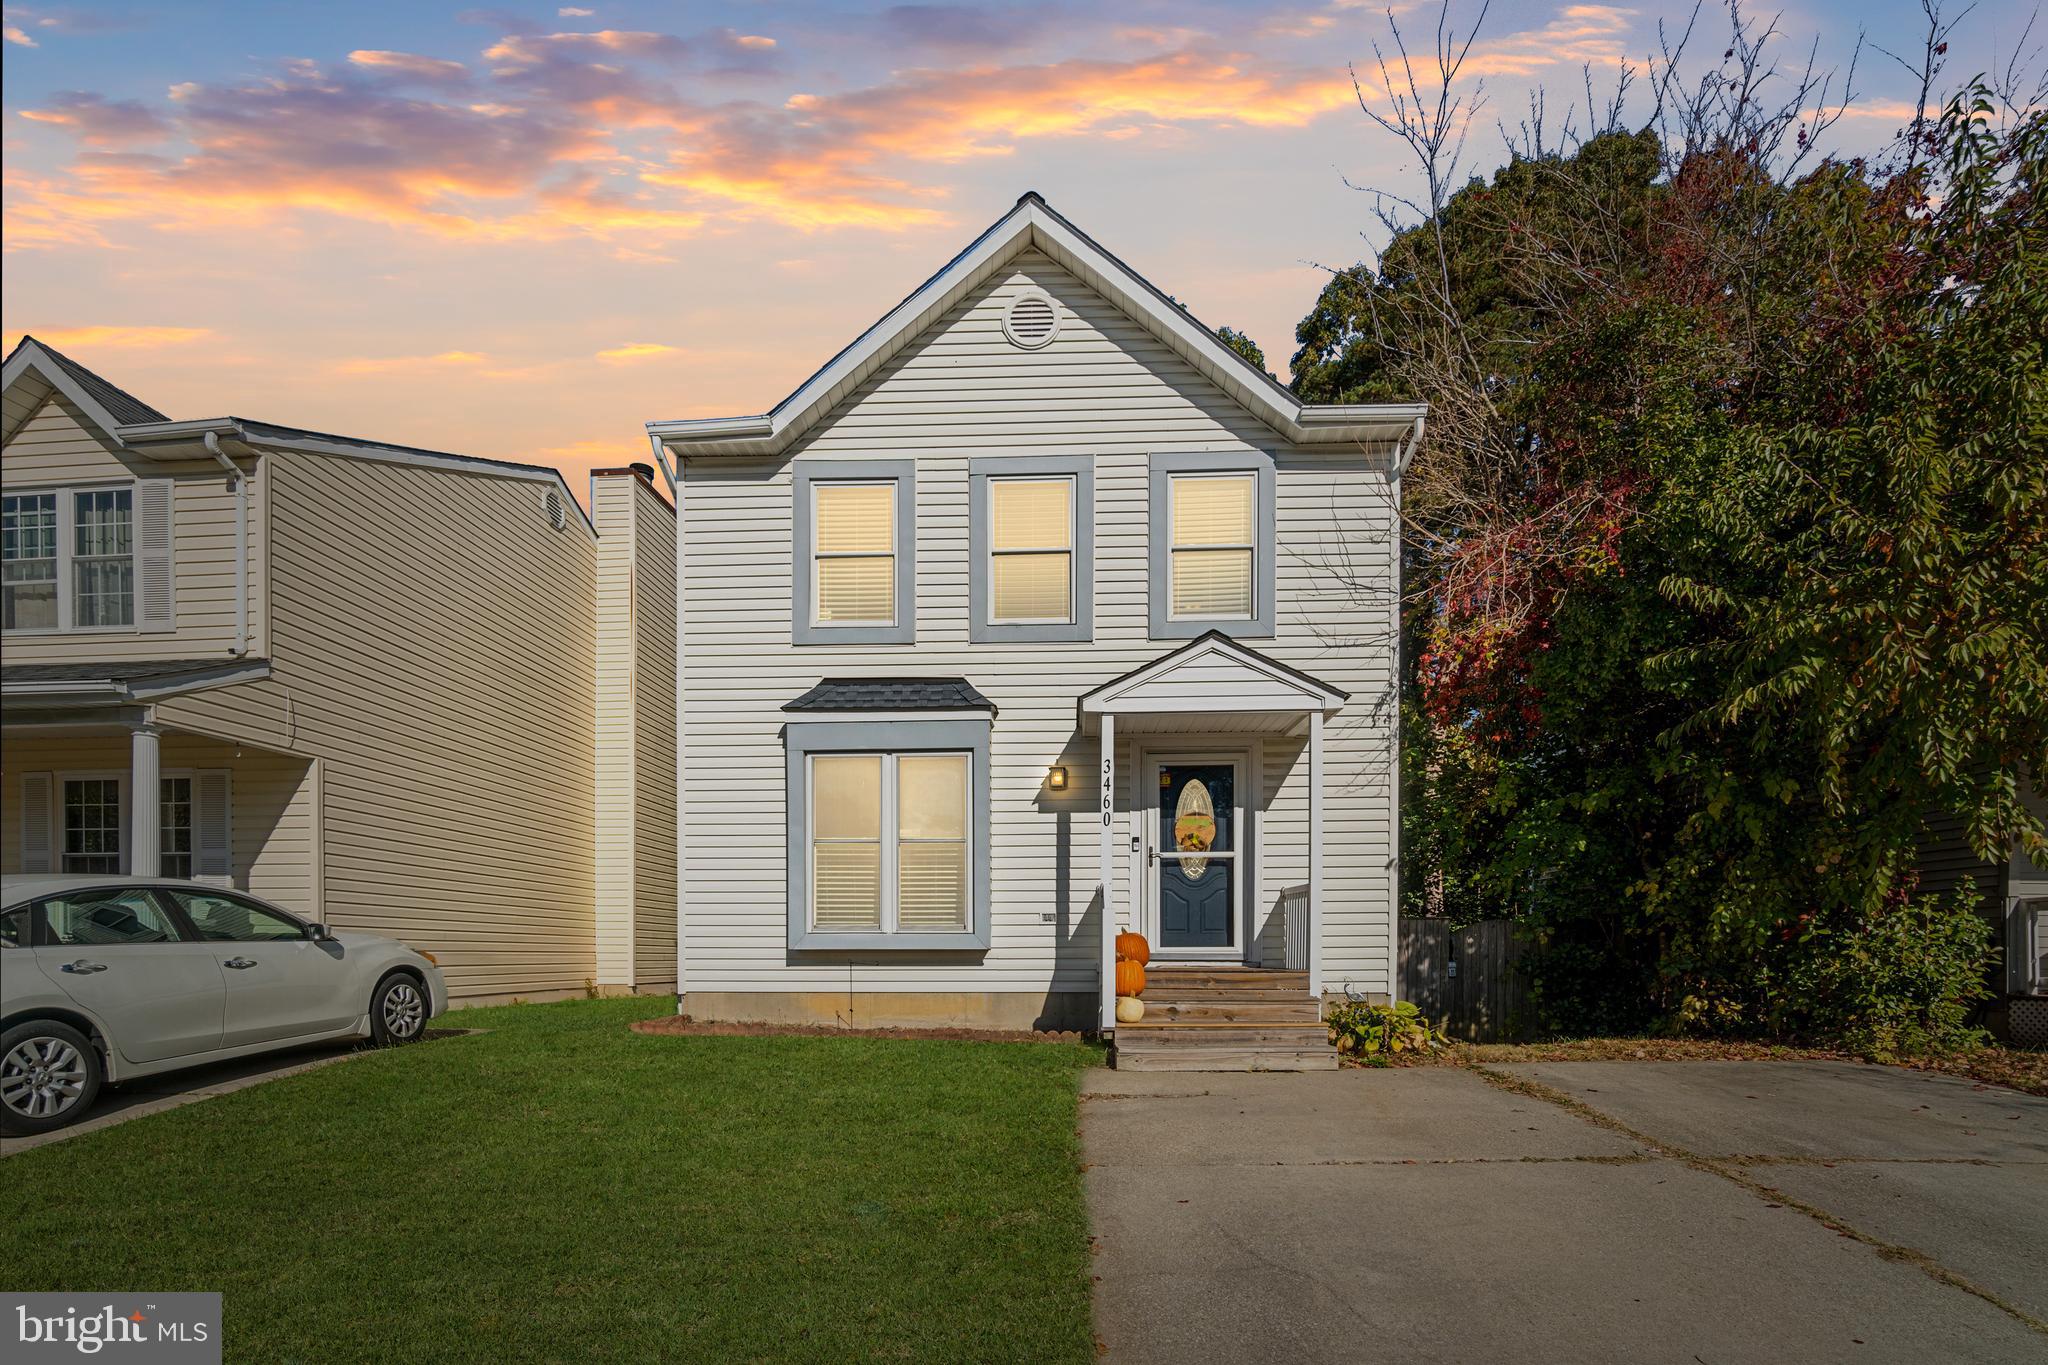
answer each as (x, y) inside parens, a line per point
(115, 978)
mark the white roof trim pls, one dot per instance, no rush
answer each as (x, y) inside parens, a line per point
(30, 356)
(1301, 694)
(118, 692)
(1032, 223)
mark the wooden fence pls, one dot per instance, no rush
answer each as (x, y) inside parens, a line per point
(1464, 979)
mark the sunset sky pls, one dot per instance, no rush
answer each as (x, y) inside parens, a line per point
(522, 231)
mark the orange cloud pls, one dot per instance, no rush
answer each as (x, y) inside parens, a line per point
(434, 69)
(111, 338)
(637, 350)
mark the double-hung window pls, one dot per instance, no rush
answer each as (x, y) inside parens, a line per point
(1212, 545)
(854, 574)
(86, 558)
(1031, 539)
(91, 825)
(28, 561)
(888, 834)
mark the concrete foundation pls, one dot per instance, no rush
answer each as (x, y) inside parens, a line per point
(899, 1009)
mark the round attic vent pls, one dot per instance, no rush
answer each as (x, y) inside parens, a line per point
(557, 511)
(1032, 320)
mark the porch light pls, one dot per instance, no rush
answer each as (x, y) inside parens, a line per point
(1056, 779)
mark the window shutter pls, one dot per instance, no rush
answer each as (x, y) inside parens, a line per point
(212, 857)
(38, 839)
(155, 594)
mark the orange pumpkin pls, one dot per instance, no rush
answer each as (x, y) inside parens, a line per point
(1130, 978)
(1132, 947)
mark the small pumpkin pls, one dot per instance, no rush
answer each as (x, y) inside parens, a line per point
(1130, 977)
(1132, 947)
(1129, 1009)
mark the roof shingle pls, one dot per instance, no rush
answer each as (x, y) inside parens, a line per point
(892, 694)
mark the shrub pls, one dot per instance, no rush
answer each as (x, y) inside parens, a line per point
(1900, 981)
(1375, 1033)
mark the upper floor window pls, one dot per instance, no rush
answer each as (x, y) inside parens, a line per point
(1031, 538)
(28, 551)
(853, 551)
(1211, 545)
(853, 528)
(79, 558)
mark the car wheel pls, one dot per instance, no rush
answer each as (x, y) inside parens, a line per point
(398, 1010)
(49, 1076)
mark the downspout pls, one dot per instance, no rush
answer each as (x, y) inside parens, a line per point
(1404, 453)
(675, 497)
(241, 485)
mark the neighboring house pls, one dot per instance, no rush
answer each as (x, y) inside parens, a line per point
(1035, 536)
(359, 679)
(2013, 895)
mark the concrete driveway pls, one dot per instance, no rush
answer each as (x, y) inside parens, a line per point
(1591, 1211)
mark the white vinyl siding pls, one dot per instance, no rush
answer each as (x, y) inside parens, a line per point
(853, 552)
(1031, 550)
(1108, 394)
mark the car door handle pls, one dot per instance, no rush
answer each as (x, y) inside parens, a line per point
(84, 968)
(238, 963)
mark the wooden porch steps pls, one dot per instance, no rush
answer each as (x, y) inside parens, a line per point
(1225, 1019)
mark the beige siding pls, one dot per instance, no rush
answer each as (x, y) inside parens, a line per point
(654, 742)
(1105, 388)
(636, 735)
(58, 446)
(270, 798)
(611, 507)
(434, 646)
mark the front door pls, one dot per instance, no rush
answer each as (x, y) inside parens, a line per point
(1195, 842)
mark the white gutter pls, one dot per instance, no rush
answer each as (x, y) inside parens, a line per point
(675, 497)
(241, 485)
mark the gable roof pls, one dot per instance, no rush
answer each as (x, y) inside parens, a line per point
(1033, 223)
(1210, 673)
(135, 425)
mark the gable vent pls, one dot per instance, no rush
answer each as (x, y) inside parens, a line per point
(1032, 320)
(558, 511)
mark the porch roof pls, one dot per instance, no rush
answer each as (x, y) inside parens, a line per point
(1210, 680)
(109, 682)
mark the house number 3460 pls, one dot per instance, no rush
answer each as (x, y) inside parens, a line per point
(1108, 796)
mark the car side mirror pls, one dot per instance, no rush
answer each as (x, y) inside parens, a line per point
(318, 933)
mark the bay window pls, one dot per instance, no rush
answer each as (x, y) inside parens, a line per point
(888, 834)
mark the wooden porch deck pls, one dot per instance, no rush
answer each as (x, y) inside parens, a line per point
(1204, 1018)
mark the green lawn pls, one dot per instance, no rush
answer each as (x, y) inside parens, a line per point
(561, 1188)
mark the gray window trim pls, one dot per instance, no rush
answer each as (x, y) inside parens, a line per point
(1166, 464)
(804, 474)
(1081, 469)
(885, 736)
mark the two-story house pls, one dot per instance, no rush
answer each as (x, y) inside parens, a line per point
(1035, 614)
(391, 689)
